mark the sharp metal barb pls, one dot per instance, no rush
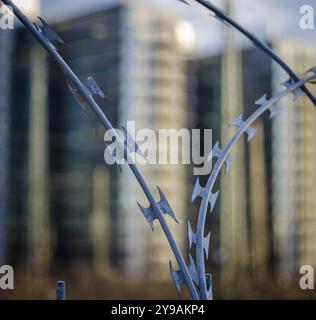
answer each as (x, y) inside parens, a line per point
(312, 70)
(192, 270)
(262, 100)
(217, 153)
(148, 214)
(163, 204)
(130, 143)
(94, 88)
(213, 199)
(209, 286)
(250, 131)
(206, 244)
(185, 2)
(49, 32)
(199, 191)
(177, 275)
(287, 84)
(192, 235)
(274, 109)
(297, 93)
(216, 10)
(220, 19)
(37, 27)
(192, 240)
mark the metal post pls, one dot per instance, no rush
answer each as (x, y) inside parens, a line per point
(61, 290)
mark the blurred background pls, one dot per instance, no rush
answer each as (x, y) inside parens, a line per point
(66, 215)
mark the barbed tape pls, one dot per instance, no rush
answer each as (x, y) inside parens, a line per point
(193, 276)
(222, 155)
(294, 85)
(84, 93)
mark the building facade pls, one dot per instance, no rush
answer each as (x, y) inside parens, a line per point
(241, 249)
(72, 207)
(154, 94)
(294, 170)
(277, 165)
(6, 43)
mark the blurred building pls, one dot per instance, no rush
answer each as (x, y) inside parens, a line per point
(27, 169)
(294, 170)
(5, 77)
(234, 245)
(154, 81)
(67, 205)
(135, 57)
(29, 221)
(241, 249)
(79, 175)
(277, 169)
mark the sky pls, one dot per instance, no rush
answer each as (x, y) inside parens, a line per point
(268, 18)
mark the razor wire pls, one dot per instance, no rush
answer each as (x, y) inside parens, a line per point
(294, 85)
(84, 93)
(225, 159)
(193, 276)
